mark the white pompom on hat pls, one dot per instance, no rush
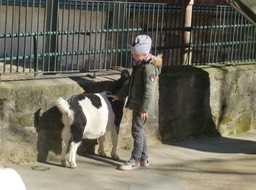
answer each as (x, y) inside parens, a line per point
(141, 45)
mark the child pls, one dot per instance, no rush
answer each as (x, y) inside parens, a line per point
(142, 86)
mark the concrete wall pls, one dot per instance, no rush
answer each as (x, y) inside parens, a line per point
(193, 101)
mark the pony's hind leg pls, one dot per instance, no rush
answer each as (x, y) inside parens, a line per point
(72, 154)
(66, 135)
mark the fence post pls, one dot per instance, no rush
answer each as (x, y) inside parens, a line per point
(122, 36)
(52, 17)
(187, 11)
(36, 56)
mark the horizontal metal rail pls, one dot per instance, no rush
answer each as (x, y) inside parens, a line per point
(67, 36)
(87, 32)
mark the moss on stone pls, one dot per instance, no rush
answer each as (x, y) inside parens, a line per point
(244, 123)
(26, 120)
(226, 119)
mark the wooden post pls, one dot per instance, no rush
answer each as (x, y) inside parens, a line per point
(187, 7)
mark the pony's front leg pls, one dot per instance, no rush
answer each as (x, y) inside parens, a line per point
(114, 138)
(101, 151)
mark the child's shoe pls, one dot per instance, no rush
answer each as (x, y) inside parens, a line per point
(144, 163)
(130, 165)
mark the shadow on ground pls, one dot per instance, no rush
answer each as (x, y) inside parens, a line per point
(218, 145)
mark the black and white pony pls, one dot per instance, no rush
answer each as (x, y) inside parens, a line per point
(87, 116)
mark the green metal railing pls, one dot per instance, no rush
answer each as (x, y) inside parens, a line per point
(227, 38)
(76, 36)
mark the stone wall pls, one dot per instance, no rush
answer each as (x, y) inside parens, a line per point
(207, 100)
(193, 101)
(31, 125)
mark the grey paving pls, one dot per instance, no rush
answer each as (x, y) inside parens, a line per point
(196, 164)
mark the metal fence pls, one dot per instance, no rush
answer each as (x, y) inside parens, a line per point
(80, 36)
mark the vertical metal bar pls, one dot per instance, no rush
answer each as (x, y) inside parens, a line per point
(117, 33)
(215, 36)
(232, 37)
(128, 36)
(31, 37)
(90, 41)
(50, 35)
(108, 8)
(246, 39)
(112, 34)
(95, 37)
(123, 17)
(18, 43)
(149, 19)
(169, 33)
(62, 33)
(201, 34)
(156, 32)
(229, 31)
(218, 35)
(155, 27)
(172, 32)
(209, 12)
(35, 52)
(241, 39)
(161, 25)
(102, 20)
(254, 45)
(143, 16)
(73, 35)
(235, 38)
(5, 38)
(56, 48)
(67, 50)
(138, 20)
(177, 22)
(44, 36)
(203, 39)
(79, 35)
(25, 39)
(85, 31)
(133, 21)
(204, 34)
(37, 37)
(222, 49)
(12, 38)
(225, 32)
(248, 42)
(197, 34)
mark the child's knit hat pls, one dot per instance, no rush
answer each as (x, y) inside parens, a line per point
(141, 45)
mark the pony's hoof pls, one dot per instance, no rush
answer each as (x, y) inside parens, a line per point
(102, 154)
(63, 163)
(115, 157)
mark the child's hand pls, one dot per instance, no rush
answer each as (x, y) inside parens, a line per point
(144, 116)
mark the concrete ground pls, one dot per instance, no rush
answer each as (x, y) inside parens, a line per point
(212, 163)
